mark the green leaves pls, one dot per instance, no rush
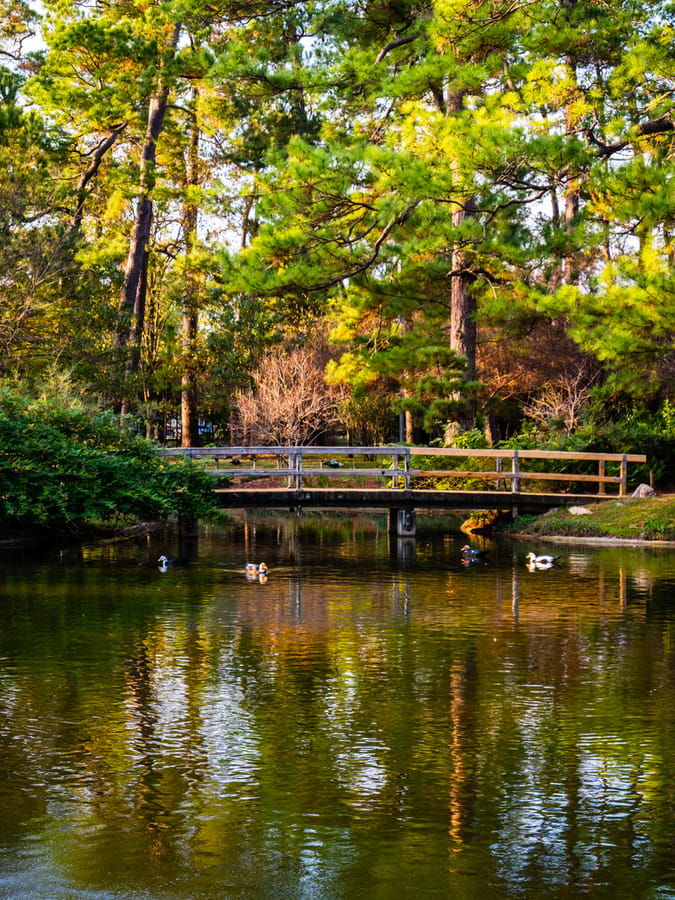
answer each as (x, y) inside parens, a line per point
(65, 465)
(386, 162)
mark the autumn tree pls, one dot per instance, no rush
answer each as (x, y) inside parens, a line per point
(288, 402)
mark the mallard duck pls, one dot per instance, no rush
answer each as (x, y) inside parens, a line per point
(540, 562)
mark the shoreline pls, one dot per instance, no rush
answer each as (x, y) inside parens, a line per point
(619, 521)
(606, 541)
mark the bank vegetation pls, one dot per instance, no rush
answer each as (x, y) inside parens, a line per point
(621, 519)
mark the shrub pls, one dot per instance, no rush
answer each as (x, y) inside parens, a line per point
(65, 465)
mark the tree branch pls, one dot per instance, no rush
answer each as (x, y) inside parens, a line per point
(661, 125)
(366, 263)
(97, 154)
(399, 42)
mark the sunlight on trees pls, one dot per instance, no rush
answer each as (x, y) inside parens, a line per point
(478, 197)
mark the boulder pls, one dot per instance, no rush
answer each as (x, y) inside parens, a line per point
(644, 490)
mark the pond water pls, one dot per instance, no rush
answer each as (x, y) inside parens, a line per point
(377, 720)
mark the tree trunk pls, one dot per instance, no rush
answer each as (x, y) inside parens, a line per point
(569, 268)
(462, 308)
(463, 335)
(132, 298)
(132, 301)
(190, 318)
(189, 412)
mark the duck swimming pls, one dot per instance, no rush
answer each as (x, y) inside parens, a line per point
(540, 562)
(256, 568)
(165, 562)
(473, 553)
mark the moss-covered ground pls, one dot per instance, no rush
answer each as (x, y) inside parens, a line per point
(651, 519)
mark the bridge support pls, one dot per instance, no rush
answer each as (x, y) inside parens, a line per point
(403, 522)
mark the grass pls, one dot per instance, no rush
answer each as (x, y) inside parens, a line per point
(651, 519)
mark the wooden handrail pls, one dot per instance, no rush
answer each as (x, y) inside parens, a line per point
(506, 453)
(290, 463)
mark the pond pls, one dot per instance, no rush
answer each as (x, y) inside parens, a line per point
(375, 720)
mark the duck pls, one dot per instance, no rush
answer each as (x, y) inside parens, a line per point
(473, 552)
(256, 568)
(540, 562)
(165, 562)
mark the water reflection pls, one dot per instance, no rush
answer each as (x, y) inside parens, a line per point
(363, 724)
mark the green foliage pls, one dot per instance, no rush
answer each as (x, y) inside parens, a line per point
(65, 465)
(518, 157)
(367, 416)
(474, 439)
(637, 431)
(657, 528)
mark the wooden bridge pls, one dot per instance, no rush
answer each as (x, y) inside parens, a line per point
(403, 479)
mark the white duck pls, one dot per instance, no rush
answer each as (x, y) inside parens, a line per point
(540, 562)
(165, 562)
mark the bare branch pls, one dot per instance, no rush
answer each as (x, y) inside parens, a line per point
(290, 402)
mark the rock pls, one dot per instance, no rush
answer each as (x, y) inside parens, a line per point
(482, 521)
(644, 490)
(579, 511)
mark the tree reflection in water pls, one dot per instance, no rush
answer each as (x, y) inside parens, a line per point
(360, 725)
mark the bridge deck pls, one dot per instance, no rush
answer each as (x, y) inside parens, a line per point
(386, 498)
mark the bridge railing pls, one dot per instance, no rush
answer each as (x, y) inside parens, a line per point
(400, 464)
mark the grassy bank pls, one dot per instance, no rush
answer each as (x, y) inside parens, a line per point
(651, 519)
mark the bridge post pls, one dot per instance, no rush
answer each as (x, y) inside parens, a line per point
(515, 484)
(402, 522)
(295, 464)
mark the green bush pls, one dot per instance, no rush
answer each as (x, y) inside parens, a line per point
(637, 432)
(65, 465)
(466, 440)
